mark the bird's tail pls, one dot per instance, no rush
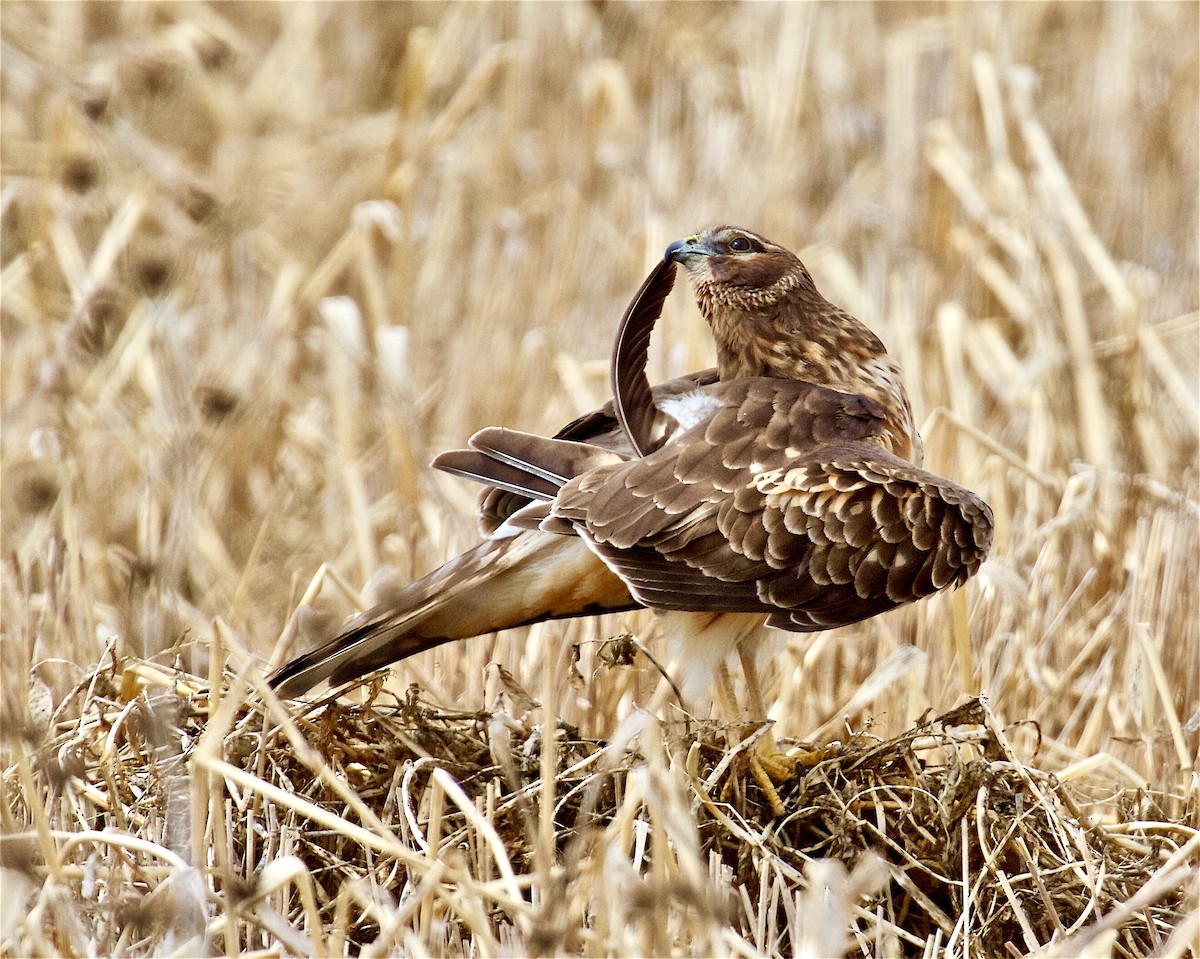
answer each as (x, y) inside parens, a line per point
(519, 576)
(502, 583)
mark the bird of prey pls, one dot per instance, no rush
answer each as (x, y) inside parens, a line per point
(782, 487)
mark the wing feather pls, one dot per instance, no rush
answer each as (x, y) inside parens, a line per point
(633, 399)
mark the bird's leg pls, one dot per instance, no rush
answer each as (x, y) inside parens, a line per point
(764, 759)
(726, 698)
(769, 765)
(753, 692)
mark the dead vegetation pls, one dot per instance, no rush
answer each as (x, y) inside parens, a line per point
(259, 263)
(389, 825)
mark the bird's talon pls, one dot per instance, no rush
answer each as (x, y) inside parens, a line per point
(769, 767)
(767, 770)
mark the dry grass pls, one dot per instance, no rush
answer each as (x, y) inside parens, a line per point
(260, 262)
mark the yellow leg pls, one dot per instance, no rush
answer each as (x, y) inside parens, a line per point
(727, 703)
(754, 704)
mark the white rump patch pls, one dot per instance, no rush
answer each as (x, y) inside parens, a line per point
(690, 408)
(506, 531)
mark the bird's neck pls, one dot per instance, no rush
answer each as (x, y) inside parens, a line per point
(818, 343)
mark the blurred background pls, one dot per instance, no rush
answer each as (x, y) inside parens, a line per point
(262, 261)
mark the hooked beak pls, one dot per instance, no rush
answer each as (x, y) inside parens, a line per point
(681, 250)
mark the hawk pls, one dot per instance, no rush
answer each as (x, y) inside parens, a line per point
(783, 487)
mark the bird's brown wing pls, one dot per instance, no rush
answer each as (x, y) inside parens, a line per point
(633, 399)
(781, 501)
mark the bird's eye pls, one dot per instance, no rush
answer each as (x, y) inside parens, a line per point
(741, 244)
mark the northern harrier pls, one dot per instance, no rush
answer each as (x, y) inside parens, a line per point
(784, 486)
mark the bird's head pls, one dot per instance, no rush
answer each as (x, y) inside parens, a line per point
(738, 268)
(768, 319)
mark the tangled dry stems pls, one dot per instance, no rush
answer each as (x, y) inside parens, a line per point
(388, 824)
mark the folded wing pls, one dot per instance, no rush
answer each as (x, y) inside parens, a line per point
(780, 500)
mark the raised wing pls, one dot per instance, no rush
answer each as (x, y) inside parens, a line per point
(633, 399)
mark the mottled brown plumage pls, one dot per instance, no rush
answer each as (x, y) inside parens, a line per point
(782, 486)
(784, 501)
(769, 320)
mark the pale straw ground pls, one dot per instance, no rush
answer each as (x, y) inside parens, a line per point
(261, 262)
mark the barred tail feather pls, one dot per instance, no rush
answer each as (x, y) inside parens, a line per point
(500, 584)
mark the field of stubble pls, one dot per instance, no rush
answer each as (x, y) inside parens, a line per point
(261, 262)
